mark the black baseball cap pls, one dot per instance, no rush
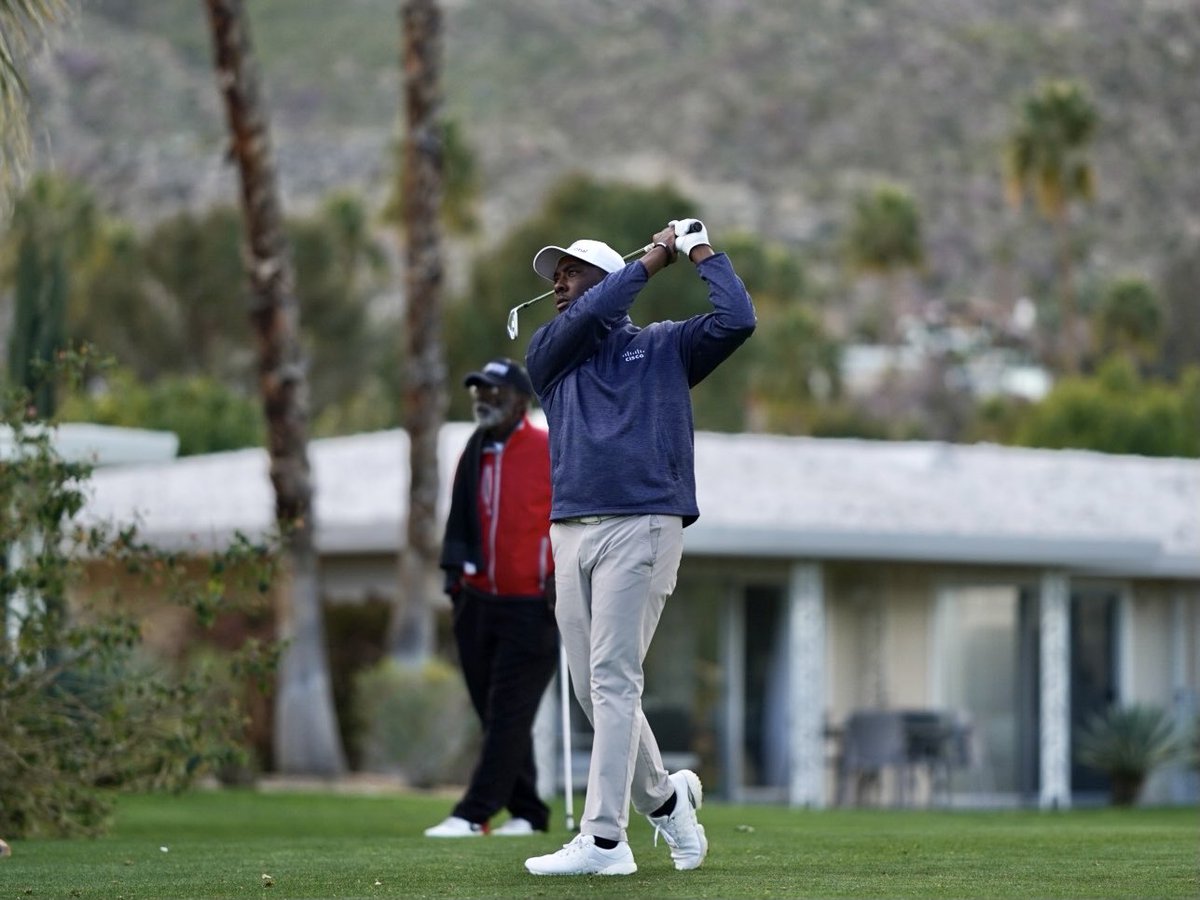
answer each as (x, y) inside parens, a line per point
(502, 371)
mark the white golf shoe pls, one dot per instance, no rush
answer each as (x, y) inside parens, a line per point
(454, 827)
(515, 827)
(683, 834)
(583, 857)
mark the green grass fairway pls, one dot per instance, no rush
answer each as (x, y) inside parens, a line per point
(221, 844)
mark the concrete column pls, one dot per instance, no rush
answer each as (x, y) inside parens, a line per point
(1185, 781)
(1055, 689)
(733, 699)
(806, 685)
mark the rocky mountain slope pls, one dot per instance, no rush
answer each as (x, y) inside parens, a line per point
(771, 113)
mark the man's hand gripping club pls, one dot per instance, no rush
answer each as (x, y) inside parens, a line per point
(690, 234)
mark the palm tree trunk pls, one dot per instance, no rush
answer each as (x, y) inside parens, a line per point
(307, 740)
(410, 636)
(1069, 339)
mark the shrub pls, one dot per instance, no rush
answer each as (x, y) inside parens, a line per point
(1128, 744)
(84, 709)
(1116, 412)
(206, 415)
(354, 639)
(418, 722)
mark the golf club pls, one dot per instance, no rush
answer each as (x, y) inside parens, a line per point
(512, 313)
(564, 681)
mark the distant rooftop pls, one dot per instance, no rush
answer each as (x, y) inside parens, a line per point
(760, 496)
(949, 502)
(104, 445)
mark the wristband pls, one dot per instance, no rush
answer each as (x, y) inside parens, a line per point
(666, 249)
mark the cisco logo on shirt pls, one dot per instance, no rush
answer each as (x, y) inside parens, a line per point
(633, 355)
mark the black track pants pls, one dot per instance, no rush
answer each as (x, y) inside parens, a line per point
(508, 648)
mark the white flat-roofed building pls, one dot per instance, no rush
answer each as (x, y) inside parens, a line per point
(1013, 591)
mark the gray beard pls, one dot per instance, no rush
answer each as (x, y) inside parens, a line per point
(487, 416)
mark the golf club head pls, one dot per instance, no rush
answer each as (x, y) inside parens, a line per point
(512, 324)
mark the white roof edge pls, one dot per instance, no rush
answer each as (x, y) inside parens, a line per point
(209, 540)
(352, 540)
(1133, 557)
(1140, 558)
(103, 445)
(331, 540)
(843, 499)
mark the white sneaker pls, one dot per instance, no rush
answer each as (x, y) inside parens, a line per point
(683, 834)
(454, 827)
(583, 857)
(516, 827)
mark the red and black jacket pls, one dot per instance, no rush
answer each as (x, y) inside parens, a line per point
(497, 537)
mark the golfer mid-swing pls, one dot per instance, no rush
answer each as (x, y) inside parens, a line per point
(617, 400)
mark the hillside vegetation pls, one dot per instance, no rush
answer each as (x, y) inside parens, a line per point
(770, 113)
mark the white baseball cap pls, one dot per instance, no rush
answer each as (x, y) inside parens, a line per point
(597, 253)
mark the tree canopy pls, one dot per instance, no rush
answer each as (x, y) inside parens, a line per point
(1117, 411)
(169, 304)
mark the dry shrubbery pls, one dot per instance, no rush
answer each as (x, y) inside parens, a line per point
(85, 709)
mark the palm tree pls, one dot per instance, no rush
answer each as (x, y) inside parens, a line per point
(1130, 319)
(1046, 156)
(306, 733)
(410, 637)
(885, 233)
(21, 22)
(886, 230)
(460, 184)
(54, 223)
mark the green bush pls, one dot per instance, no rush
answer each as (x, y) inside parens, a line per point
(354, 638)
(1117, 411)
(1127, 744)
(205, 414)
(418, 722)
(84, 709)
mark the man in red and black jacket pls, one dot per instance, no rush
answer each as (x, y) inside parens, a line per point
(500, 579)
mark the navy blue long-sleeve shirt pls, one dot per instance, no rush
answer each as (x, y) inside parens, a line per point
(617, 399)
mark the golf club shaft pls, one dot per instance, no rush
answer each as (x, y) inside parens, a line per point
(534, 300)
(512, 313)
(643, 250)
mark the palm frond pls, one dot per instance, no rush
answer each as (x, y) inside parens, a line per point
(22, 22)
(1130, 740)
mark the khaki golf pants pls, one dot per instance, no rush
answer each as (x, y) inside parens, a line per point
(613, 575)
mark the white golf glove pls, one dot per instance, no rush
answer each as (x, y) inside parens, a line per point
(689, 234)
